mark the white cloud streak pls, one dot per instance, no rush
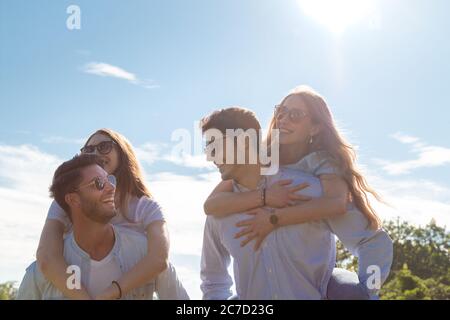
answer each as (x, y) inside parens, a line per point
(150, 153)
(426, 156)
(107, 70)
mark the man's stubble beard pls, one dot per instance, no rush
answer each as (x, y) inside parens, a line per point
(92, 211)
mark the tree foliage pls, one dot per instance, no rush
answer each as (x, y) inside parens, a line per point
(421, 264)
(7, 291)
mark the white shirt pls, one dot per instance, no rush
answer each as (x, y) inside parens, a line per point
(102, 274)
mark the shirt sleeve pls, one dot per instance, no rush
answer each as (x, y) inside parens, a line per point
(169, 287)
(55, 212)
(149, 211)
(29, 289)
(372, 247)
(318, 163)
(216, 281)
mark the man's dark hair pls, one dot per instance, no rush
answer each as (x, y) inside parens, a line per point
(68, 177)
(230, 118)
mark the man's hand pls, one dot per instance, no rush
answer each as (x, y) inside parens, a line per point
(257, 227)
(110, 293)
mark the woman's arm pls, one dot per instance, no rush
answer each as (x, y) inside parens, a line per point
(223, 201)
(333, 203)
(150, 266)
(51, 261)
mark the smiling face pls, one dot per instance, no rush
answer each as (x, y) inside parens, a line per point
(97, 205)
(111, 160)
(298, 128)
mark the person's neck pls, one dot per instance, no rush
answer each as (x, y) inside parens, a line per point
(292, 153)
(250, 176)
(96, 239)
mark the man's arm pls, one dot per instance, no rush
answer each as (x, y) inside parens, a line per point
(216, 281)
(372, 247)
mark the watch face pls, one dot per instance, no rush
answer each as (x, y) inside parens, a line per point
(273, 219)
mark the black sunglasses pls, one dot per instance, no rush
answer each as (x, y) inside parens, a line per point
(99, 183)
(294, 115)
(103, 147)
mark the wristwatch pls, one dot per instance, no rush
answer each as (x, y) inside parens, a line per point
(273, 218)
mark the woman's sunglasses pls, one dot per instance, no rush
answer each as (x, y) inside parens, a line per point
(103, 147)
(294, 115)
(99, 183)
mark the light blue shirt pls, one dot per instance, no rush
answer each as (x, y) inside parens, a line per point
(294, 262)
(372, 247)
(129, 248)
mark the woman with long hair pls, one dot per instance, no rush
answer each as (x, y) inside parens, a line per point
(308, 141)
(136, 210)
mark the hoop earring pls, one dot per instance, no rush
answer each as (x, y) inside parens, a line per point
(311, 140)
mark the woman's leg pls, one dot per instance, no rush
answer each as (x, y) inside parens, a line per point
(345, 285)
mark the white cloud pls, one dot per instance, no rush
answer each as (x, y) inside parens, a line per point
(191, 161)
(149, 153)
(107, 70)
(25, 175)
(415, 201)
(25, 168)
(426, 156)
(403, 138)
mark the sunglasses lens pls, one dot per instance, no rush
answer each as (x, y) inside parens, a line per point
(112, 180)
(294, 115)
(104, 147)
(88, 149)
(99, 184)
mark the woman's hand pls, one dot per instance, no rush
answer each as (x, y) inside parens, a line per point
(110, 293)
(280, 194)
(257, 227)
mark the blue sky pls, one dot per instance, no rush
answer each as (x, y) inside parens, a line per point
(386, 78)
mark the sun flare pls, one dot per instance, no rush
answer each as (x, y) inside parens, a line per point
(338, 15)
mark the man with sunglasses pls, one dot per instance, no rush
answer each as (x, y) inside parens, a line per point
(99, 251)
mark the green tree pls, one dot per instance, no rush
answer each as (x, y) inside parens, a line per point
(425, 250)
(421, 263)
(7, 291)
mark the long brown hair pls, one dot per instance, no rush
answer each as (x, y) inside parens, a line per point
(342, 153)
(130, 180)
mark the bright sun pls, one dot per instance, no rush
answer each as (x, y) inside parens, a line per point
(338, 15)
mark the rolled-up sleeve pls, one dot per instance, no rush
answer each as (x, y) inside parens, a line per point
(372, 247)
(216, 280)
